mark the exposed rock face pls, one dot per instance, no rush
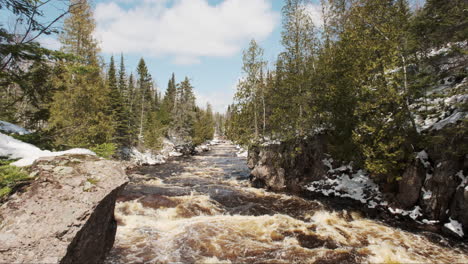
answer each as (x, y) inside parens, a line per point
(410, 185)
(287, 165)
(459, 207)
(66, 215)
(438, 185)
(442, 186)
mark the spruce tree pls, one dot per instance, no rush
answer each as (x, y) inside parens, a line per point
(80, 108)
(77, 35)
(117, 109)
(123, 79)
(184, 114)
(298, 62)
(144, 99)
(249, 93)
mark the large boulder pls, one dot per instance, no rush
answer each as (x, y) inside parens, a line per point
(459, 206)
(441, 186)
(411, 183)
(288, 165)
(66, 215)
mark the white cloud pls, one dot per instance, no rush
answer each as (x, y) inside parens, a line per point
(315, 12)
(219, 100)
(49, 42)
(183, 29)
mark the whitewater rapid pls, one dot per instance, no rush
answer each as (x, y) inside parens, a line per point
(203, 210)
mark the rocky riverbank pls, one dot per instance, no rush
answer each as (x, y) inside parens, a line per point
(66, 215)
(432, 192)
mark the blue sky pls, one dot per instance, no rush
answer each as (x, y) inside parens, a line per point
(201, 39)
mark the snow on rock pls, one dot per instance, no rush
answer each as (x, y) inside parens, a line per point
(27, 153)
(464, 180)
(203, 148)
(11, 128)
(328, 162)
(430, 222)
(344, 182)
(215, 141)
(444, 50)
(423, 158)
(242, 153)
(270, 142)
(146, 158)
(426, 194)
(452, 119)
(358, 186)
(455, 227)
(414, 214)
(175, 154)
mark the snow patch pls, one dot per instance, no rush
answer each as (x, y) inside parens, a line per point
(464, 180)
(414, 214)
(27, 153)
(11, 128)
(328, 162)
(453, 119)
(455, 226)
(426, 194)
(242, 153)
(175, 154)
(270, 142)
(430, 222)
(357, 187)
(424, 158)
(146, 158)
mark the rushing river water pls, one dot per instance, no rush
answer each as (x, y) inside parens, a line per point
(203, 210)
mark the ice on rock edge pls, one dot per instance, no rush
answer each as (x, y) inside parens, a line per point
(27, 153)
(455, 227)
(464, 180)
(424, 158)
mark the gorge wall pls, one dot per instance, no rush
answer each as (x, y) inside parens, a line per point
(433, 184)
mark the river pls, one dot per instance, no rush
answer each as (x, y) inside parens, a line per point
(202, 209)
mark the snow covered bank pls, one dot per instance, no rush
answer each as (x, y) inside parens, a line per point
(11, 128)
(342, 182)
(357, 185)
(27, 153)
(241, 152)
(146, 157)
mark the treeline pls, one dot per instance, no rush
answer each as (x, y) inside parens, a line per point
(71, 98)
(353, 78)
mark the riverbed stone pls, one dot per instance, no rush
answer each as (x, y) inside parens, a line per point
(55, 220)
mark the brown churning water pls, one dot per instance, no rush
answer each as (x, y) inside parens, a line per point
(203, 210)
